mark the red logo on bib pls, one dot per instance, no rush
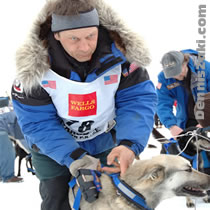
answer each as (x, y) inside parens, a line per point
(82, 105)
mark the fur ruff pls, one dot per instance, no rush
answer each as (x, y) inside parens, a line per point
(32, 57)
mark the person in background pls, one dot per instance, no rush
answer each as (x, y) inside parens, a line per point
(180, 80)
(82, 94)
(4, 104)
(9, 127)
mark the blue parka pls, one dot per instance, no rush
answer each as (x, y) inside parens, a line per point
(169, 90)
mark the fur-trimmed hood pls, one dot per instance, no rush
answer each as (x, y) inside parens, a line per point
(32, 57)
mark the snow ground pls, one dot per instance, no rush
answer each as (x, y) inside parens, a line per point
(25, 195)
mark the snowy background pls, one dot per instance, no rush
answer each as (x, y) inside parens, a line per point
(165, 25)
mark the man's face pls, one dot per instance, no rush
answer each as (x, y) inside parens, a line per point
(79, 43)
(183, 74)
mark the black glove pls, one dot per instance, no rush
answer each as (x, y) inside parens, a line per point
(87, 179)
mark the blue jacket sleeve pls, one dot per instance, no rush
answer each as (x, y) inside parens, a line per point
(42, 127)
(207, 70)
(135, 109)
(165, 103)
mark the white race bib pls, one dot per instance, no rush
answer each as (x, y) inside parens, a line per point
(87, 108)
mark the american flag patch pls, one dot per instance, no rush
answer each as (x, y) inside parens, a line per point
(49, 84)
(111, 79)
(132, 68)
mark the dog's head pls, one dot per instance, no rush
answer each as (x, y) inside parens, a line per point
(165, 176)
(203, 141)
(194, 140)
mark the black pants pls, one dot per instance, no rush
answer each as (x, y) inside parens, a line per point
(54, 180)
(54, 193)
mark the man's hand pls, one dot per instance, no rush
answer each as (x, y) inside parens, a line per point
(124, 157)
(199, 126)
(175, 130)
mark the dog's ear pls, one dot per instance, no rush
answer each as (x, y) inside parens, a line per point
(157, 171)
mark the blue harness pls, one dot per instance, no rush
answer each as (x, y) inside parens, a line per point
(193, 159)
(78, 196)
(125, 190)
(129, 193)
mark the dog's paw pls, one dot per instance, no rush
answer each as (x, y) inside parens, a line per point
(189, 203)
(207, 199)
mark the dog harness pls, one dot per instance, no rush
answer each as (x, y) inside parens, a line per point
(90, 189)
(193, 159)
(122, 188)
(129, 193)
